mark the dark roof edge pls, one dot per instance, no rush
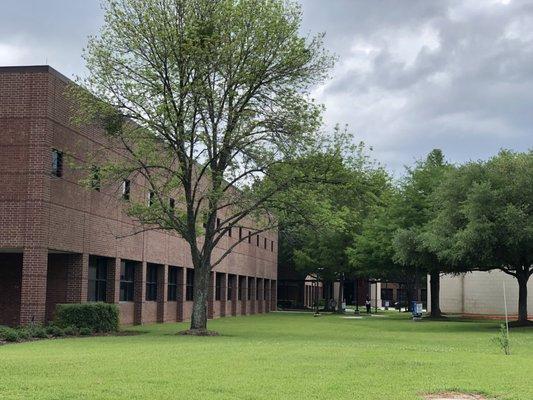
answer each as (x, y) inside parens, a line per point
(33, 69)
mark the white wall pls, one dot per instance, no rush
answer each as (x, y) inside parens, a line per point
(480, 293)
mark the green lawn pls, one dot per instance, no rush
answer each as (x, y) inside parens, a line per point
(275, 356)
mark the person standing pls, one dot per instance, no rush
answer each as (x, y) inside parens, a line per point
(368, 305)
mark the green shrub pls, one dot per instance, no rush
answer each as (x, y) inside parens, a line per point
(99, 317)
(39, 332)
(54, 330)
(23, 334)
(86, 331)
(71, 331)
(11, 335)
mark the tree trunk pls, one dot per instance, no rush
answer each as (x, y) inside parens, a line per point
(201, 293)
(522, 278)
(434, 283)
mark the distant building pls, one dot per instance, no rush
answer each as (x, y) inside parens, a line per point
(480, 294)
(63, 243)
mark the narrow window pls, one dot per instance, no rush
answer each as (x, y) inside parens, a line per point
(151, 282)
(126, 187)
(95, 178)
(218, 286)
(257, 287)
(229, 290)
(249, 236)
(57, 163)
(240, 232)
(172, 203)
(265, 289)
(272, 246)
(265, 243)
(229, 232)
(97, 279)
(257, 239)
(151, 198)
(242, 288)
(189, 288)
(172, 284)
(127, 274)
(218, 222)
(249, 288)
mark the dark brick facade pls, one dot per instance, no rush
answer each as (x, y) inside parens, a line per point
(52, 228)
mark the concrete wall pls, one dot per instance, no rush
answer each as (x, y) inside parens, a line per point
(481, 293)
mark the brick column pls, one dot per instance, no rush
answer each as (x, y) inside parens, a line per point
(223, 295)
(33, 286)
(211, 295)
(162, 292)
(139, 292)
(267, 295)
(273, 295)
(181, 293)
(77, 278)
(113, 281)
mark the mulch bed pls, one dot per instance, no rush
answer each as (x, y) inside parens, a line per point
(454, 396)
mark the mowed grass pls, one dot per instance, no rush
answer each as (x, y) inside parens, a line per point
(275, 356)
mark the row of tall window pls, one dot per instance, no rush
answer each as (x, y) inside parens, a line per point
(98, 272)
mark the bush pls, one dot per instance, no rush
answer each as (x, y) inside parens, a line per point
(24, 334)
(99, 317)
(54, 330)
(86, 331)
(10, 335)
(71, 331)
(39, 332)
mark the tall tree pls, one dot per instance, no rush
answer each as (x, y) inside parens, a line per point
(205, 97)
(418, 209)
(485, 219)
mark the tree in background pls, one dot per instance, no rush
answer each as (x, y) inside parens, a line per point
(417, 210)
(205, 98)
(334, 209)
(485, 219)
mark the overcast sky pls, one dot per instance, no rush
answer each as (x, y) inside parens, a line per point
(412, 75)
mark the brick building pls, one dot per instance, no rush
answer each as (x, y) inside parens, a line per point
(63, 243)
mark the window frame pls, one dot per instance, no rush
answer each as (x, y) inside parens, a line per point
(57, 163)
(126, 189)
(189, 284)
(172, 284)
(97, 285)
(127, 281)
(151, 282)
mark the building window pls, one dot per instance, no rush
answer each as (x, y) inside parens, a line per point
(189, 288)
(151, 198)
(95, 178)
(218, 286)
(265, 243)
(97, 279)
(126, 187)
(257, 240)
(218, 222)
(172, 284)
(172, 203)
(242, 288)
(229, 290)
(240, 232)
(272, 246)
(249, 236)
(127, 276)
(257, 286)
(151, 282)
(249, 288)
(57, 163)
(229, 232)
(265, 290)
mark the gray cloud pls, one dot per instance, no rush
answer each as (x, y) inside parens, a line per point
(412, 74)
